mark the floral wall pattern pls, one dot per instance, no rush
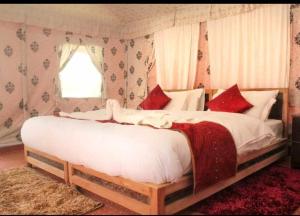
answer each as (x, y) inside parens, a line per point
(140, 71)
(294, 84)
(12, 73)
(203, 72)
(28, 67)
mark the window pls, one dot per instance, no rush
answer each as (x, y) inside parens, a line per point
(80, 78)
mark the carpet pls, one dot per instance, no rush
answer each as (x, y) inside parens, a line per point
(26, 191)
(274, 190)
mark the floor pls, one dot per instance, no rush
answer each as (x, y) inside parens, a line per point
(11, 157)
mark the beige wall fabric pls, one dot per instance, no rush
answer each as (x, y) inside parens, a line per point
(294, 82)
(203, 69)
(140, 69)
(28, 68)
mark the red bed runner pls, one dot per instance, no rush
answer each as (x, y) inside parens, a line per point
(214, 156)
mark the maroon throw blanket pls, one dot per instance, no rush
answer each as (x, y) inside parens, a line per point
(214, 155)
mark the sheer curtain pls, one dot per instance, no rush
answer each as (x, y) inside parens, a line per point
(251, 49)
(176, 56)
(65, 53)
(95, 53)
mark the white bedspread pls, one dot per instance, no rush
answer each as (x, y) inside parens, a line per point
(139, 153)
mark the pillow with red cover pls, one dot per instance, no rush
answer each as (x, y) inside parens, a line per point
(155, 100)
(230, 100)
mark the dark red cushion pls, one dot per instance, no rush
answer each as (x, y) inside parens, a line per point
(230, 100)
(155, 100)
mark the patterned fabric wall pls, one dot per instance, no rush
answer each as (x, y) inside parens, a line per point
(203, 72)
(12, 82)
(294, 84)
(140, 73)
(28, 67)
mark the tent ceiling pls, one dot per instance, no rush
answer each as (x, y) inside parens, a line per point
(120, 20)
(106, 14)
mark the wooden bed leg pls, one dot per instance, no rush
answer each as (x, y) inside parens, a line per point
(157, 201)
(70, 174)
(25, 156)
(66, 172)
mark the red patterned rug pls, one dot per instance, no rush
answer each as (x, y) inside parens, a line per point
(272, 191)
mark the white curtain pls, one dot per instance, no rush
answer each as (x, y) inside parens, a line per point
(250, 49)
(65, 53)
(176, 56)
(96, 55)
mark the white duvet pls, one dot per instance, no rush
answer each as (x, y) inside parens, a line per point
(136, 152)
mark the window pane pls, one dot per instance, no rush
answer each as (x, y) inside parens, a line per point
(80, 78)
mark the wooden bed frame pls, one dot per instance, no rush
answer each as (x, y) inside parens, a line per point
(169, 198)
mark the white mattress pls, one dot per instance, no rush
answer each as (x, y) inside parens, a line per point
(139, 153)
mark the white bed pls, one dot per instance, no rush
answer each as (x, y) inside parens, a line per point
(136, 152)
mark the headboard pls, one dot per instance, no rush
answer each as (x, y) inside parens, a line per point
(279, 109)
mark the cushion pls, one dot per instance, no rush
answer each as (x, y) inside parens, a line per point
(196, 100)
(266, 111)
(230, 100)
(155, 100)
(262, 102)
(178, 100)
(192, 100)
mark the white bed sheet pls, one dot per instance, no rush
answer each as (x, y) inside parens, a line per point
(139, 153)
(276, 126)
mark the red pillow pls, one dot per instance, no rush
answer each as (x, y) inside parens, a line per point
(156, 99)
(230, 100)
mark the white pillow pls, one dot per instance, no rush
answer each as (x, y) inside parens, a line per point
(262, 102)
(178, 101)
(267, 109)
(196, 100)
(192, 100)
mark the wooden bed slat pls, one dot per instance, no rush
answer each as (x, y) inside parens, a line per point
(47, 167)
(63, 174)
(50, 157)
(140, 188)
(111, 195)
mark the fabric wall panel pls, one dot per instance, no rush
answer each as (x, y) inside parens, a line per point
(203, 71)
(140, 66)
(11, 82)
(28, 67)
(294, 82)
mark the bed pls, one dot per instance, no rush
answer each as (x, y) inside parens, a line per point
(167, 193)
